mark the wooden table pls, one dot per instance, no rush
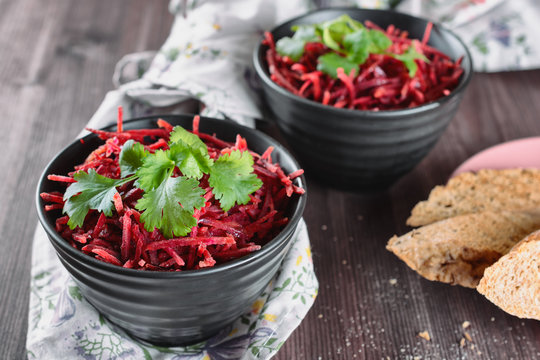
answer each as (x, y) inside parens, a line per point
(57, 60)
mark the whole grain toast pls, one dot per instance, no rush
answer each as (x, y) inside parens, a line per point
(485, 190)
(513, 282)
(457, 250)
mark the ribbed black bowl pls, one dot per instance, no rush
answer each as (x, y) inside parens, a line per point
(354, 149)
(172, 308)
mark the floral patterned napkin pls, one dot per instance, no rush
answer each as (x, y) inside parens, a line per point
(63, 325)
(500, 34)
(207, 57)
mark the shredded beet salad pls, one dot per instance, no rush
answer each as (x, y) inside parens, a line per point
(347, 64)
(168, 199)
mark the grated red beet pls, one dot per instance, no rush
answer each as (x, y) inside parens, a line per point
(381, 83)
(218, 236)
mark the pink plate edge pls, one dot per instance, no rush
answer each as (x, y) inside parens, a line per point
(519, 153)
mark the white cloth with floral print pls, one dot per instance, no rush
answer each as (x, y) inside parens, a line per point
(63, 325)
(207, 57)
(208, 54)
(500, 34)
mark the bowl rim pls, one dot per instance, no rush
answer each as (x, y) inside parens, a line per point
(275, 242)
(383, 114)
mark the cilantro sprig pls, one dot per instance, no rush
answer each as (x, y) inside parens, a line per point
(232, 179)
(168, 202)
(171, 205)
(351, 42)
(91, 191)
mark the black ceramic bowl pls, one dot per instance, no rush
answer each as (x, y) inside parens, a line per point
(354, 149)
(172, 308)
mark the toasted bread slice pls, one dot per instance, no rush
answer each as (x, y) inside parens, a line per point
(513, 282)
(457, 250)
(486, 190)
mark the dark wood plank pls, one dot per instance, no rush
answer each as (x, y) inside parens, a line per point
(57, 62)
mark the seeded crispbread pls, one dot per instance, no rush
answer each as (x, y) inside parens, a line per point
(485, 190)
(457, 250)
(513, 282)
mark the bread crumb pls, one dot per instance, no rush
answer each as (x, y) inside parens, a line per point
(468, 336)
(392, 281)
(417, 358)
(465, 324)
(324, 227)
(492, 319)
(425, 335)
(472, 346)
(462, 342)
(320, 316)
(344, 262)
(479, 352)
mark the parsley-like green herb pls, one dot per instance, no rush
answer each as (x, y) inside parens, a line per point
(131, 157)
(91, 191)
(170, 206)
(351, 41)
(330, 62)
(155, 169)
(232, 179)
(168, 202)
(189, 153)
(293, 46)
(408, 58)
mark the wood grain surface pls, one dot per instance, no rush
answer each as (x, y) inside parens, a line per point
(57, 58)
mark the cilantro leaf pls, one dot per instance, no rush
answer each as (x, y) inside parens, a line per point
(357, 45)
(351, 39)
(408, 58)
(192, 140)
(91, 191)
(329, 39)
(189, 153)
(155, 169)
(330, 62)
(293, 47)
(307, 33)
(168, 202)
(131, 157)
(191, 162)
(232, 179)
(171, 205)
(334, 31)
(379, 41)
(353, 24)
